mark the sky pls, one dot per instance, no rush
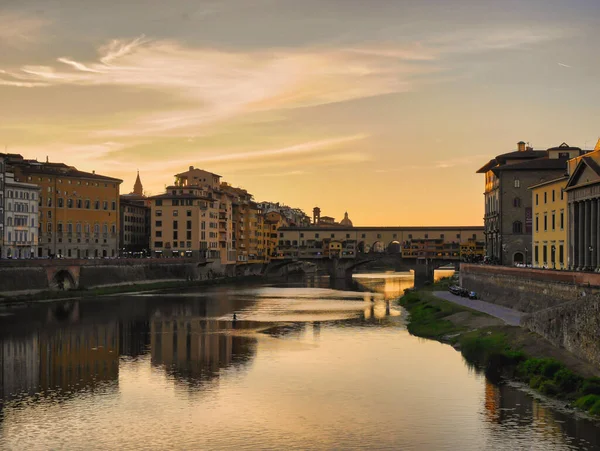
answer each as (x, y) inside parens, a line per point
(381, 108)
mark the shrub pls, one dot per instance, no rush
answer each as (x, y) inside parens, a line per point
(548, 388)
(533, 367)
(567, 381)
(551, 367)
(536, 381)
(591, 386)
(595, 410)
(587, 402)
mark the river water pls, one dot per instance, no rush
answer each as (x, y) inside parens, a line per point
(304, 366)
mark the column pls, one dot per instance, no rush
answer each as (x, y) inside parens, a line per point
(580, 240)
(594, 233)
(598, 233)
(586, 234)
(571, 235)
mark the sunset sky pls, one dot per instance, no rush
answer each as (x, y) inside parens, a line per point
(383, 108)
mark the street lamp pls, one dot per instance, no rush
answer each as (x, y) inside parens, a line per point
(553, 256)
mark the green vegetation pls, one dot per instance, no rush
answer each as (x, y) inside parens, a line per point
(490, 350)
(116, 289)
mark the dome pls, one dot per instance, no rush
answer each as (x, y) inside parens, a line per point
(346, 221)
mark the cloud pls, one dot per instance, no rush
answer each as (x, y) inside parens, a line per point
(460, 161)
(563, 65)
(17, 30)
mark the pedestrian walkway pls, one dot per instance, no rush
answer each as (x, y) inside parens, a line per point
(509, 316)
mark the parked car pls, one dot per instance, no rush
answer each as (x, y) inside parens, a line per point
(454, 289)
(472, 295)
(464, 292)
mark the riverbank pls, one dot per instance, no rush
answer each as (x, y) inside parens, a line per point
(504, 352)
(53, 295)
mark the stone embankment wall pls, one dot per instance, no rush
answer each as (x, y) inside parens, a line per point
(37, 275)
(527, 290)
(562, 306)
(574, 326)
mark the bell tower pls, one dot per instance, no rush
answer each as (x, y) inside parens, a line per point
(137, 187)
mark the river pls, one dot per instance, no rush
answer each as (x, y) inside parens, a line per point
(304, 366)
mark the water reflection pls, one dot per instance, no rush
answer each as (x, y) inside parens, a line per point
(305, 366)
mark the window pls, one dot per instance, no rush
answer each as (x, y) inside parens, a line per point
(517, 202)
(158, 244)
(426, 235)
(69, 203)
(78, 203)
(553, 221)
(158, 234)
(60, 202)
(333, 235)
(517, 227)
(175, 235)
(537, 223)
(545, 253)
(158, 213)
(545, 197)
(97, 205)
(158, 223)
(537, 199)
(536, 254)
(301, 235)
(105, 205)
(545, 222)
(561, 254)
(316, 235)
(87, 204)
(409, 236)
(175, 213)
(189, 225)
(175, 225)
(562, 194)
(158, 202)
(562, 220)
(363, 235)
(113, 205)
(553, 196)
(347, 235)
(188, 235)
(517, 183)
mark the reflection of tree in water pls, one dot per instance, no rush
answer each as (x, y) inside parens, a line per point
(196, 350)
(512, 409)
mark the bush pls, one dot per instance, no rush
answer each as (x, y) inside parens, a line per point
(551, 367)
(548, 388)
(533, 367)
(591, 386)
(595, 410)
(587, 402)
(536, 381)
(567, 381)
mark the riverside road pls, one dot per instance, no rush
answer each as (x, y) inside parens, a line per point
(509, 316)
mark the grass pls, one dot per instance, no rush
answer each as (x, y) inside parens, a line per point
(490, 350)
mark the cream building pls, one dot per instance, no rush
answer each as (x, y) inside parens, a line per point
(21, 218)
(550, 224)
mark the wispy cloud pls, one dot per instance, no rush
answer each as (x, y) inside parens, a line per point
(563, 65)
(460, 161)
(17, 30)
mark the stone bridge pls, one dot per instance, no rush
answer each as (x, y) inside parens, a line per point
(342, 268)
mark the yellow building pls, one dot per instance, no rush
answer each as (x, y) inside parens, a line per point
(79, 211)
(550, 230)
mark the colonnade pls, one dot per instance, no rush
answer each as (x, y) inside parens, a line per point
(584, 247)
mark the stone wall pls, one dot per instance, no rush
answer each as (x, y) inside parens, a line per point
(527, 290)
(562, 306)
(16, 279)
(574, 326)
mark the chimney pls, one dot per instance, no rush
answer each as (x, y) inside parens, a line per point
(93, 171)
(191, 168)
(521, 146)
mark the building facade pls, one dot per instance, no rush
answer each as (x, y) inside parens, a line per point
(550, 237)
(20, 218)
(2, 171)
(79, 211)
(508, 219)
(583, 190)
(134, 217)
(412, 242)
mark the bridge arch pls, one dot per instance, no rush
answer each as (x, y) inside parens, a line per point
(378, 247)
(394, 247)
(64, 280)
(360, 247)
(518, 257)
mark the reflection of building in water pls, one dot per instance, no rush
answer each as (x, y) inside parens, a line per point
(79, 355)
(134, 338)
(391, 286)
(20, 370)
(196, 349)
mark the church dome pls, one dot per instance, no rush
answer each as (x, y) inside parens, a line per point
(346, 221)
